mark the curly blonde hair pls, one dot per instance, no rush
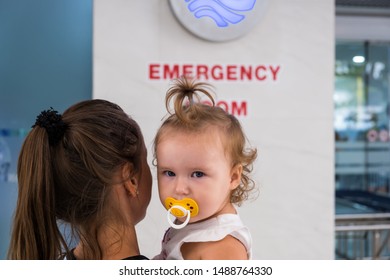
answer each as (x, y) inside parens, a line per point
(189, 114)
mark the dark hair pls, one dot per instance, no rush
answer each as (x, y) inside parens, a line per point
(192, 116)
(70, 180)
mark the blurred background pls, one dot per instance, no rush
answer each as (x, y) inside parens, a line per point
(46, 61)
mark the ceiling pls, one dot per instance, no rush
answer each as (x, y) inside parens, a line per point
(363, 7)
(364, 3)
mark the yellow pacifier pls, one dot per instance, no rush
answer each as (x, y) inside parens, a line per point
(181, 208)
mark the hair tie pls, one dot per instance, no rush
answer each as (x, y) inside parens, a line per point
(52, 122)
(188, 91)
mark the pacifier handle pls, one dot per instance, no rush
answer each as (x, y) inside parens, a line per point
(181, 208)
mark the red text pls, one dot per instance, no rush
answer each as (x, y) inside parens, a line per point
(218, 72)
(234, 108)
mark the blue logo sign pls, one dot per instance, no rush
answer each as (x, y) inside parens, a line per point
(222, 12)
(219, 20)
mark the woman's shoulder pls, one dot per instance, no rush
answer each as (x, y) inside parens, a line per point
(71, 256)
(137, 257)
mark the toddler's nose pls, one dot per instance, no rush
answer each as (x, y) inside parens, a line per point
(181, 188)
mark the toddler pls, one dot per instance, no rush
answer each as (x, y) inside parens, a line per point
(203, 168)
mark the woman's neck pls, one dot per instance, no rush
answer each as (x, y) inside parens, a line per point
(115, 243)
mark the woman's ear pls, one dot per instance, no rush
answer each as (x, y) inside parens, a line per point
(131, 186)
(130, 181)
(235, 176)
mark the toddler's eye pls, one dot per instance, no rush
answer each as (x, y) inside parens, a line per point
(169, 173)
(198, 174)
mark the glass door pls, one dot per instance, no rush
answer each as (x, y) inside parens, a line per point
(361, 123)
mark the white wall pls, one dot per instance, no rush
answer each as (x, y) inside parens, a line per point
(364, 28)
(289, 120)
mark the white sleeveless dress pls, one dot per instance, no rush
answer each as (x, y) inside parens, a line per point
(213, 229)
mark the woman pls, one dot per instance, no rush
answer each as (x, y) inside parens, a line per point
(87, 168)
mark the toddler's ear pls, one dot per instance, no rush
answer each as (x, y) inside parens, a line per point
(235, 176)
